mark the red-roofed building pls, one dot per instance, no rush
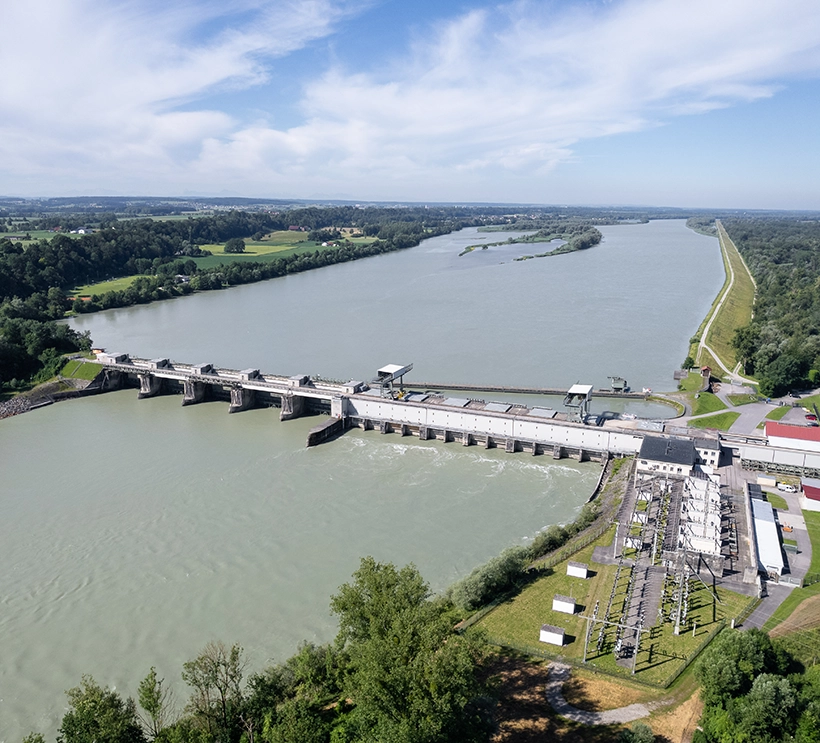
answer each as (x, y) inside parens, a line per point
(811, 488)
(784, 436)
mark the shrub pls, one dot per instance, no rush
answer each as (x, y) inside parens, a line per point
(491, 579)
(235, 245)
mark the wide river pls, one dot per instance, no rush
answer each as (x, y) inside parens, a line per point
(135, 532)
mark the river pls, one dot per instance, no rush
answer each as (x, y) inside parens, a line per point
(135, 532)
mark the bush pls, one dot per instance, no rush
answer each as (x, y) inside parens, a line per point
(548, 541)
(557, 536)
(640, 732)
(490, 580)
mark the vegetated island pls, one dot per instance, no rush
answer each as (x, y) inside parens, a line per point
(576, 236)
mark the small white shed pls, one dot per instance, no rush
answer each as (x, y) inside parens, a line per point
(635, 543)
(577, 569)
(552, 635)
(564, 604)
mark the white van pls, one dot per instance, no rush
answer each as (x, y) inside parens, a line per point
(786, 488)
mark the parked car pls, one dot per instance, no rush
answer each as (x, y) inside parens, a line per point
(811, 417)
(786, 487)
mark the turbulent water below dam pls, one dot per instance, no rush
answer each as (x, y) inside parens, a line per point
(134, 532)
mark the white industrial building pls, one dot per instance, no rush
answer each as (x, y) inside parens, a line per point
(552, 635)
(564, 604)
(577, 569)
(769, 553)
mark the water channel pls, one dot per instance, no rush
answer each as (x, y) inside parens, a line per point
(139, 531)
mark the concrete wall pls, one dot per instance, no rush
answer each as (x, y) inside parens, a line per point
(769, 459)
(496, 425)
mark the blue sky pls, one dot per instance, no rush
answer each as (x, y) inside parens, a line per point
(642, 102)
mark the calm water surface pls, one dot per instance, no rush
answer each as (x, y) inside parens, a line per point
(626, 307)
(135, 532)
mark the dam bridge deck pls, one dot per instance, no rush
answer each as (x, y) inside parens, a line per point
(426, 414)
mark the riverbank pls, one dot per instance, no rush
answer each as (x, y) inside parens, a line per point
(46, 394)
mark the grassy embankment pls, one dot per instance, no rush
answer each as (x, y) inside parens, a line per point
(738, 400)
(735, 311)
(800, 624)
(719, 422)
(73, 369)
(79, 369)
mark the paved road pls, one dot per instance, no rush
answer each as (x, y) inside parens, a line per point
(702, 346)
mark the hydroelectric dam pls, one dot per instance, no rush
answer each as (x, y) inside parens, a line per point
(384, 405)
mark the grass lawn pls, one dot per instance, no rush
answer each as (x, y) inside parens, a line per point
(692, 383)
(516, 622)
(807, 402)
(79, 369)
(777, 501)
(519, 619)
(741, 399)
(719, 422)
(101, 287)
(707, 403)
(778, 413)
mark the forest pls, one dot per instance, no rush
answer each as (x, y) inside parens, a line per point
(754, 690)
(781, 345)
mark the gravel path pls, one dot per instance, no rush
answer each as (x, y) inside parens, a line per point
(559, 674)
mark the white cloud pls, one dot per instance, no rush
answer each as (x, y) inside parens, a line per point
(91, 86)
(488, 95)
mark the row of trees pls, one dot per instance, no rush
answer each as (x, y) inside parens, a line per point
(396, 673)
(165, 284)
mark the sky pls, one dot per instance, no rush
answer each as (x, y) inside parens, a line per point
(702, 103)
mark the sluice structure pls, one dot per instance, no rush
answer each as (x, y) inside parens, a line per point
(516, 428)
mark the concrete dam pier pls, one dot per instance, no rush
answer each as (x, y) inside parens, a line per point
(426, 415)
